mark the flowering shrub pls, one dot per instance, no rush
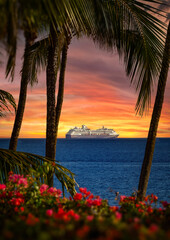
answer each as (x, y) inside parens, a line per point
(32, 211)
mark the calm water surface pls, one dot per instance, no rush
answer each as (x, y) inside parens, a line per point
(108, 166)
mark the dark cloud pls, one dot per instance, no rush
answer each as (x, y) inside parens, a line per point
(106, 71)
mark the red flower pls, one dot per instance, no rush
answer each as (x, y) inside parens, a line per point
(97, 202)
(82, 232)
(153, 228)
(31, 220)
(18, 194)
(114, 208)
(16, 209)
(16, 201)
(146, 199)
(2, 186)
(89, 202)
(165, 203)
(78, 196)
(155, 198)
(91, 196)
(150, 210)
(83, 190)
(22, 209)
(140, 210)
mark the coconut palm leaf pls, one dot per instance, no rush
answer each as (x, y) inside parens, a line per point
(6, 99)
(36, 56)
(26, 163)
(139, 37)
(11, 45)
(109, 23)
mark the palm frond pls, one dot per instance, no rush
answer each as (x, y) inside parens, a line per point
(11, 37)
(35, 59)
(109, 23)
(6, 99)
(26, 163)
(139, 36)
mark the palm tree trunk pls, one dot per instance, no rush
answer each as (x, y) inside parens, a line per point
(29, 40)
(61, 83)
(51, 76)
(150, 145)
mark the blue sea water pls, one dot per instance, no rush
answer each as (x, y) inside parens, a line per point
(108, 166)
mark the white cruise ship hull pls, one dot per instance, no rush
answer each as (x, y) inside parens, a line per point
(90, 137)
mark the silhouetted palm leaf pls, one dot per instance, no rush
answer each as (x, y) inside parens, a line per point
(25, 163)
(6, 99)
(11, 37)
(110, 24)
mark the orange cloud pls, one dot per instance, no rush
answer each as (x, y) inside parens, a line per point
(97, 93)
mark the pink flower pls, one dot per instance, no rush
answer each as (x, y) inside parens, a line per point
(118, 215)
(43, 188)
(76, 217)
(15, 177)
(136, 220)
(49, 212)
(90, 218)
(122, 198)
(54, 191)
(23, 181)
(2, 186)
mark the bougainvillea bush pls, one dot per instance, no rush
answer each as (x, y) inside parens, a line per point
(32, 211)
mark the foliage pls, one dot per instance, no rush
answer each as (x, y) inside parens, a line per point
(129, 26)
(24, 163)
(33, 211)
(6, 99)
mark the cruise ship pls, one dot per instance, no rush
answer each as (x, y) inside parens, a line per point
(85, 133)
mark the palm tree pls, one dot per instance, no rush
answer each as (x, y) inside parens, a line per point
(30, 36)
(60, 95)
(136, 38)
(29, 70)
(124, 25)
(26, 163)
(150, 145)
(53, 108)
(30, 19)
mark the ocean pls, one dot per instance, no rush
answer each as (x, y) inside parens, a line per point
(108, 166)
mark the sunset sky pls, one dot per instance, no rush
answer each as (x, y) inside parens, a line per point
(97, 93)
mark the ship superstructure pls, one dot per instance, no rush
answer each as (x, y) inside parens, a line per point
(85, 132)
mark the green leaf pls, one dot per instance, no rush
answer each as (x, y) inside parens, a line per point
(26, 163)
